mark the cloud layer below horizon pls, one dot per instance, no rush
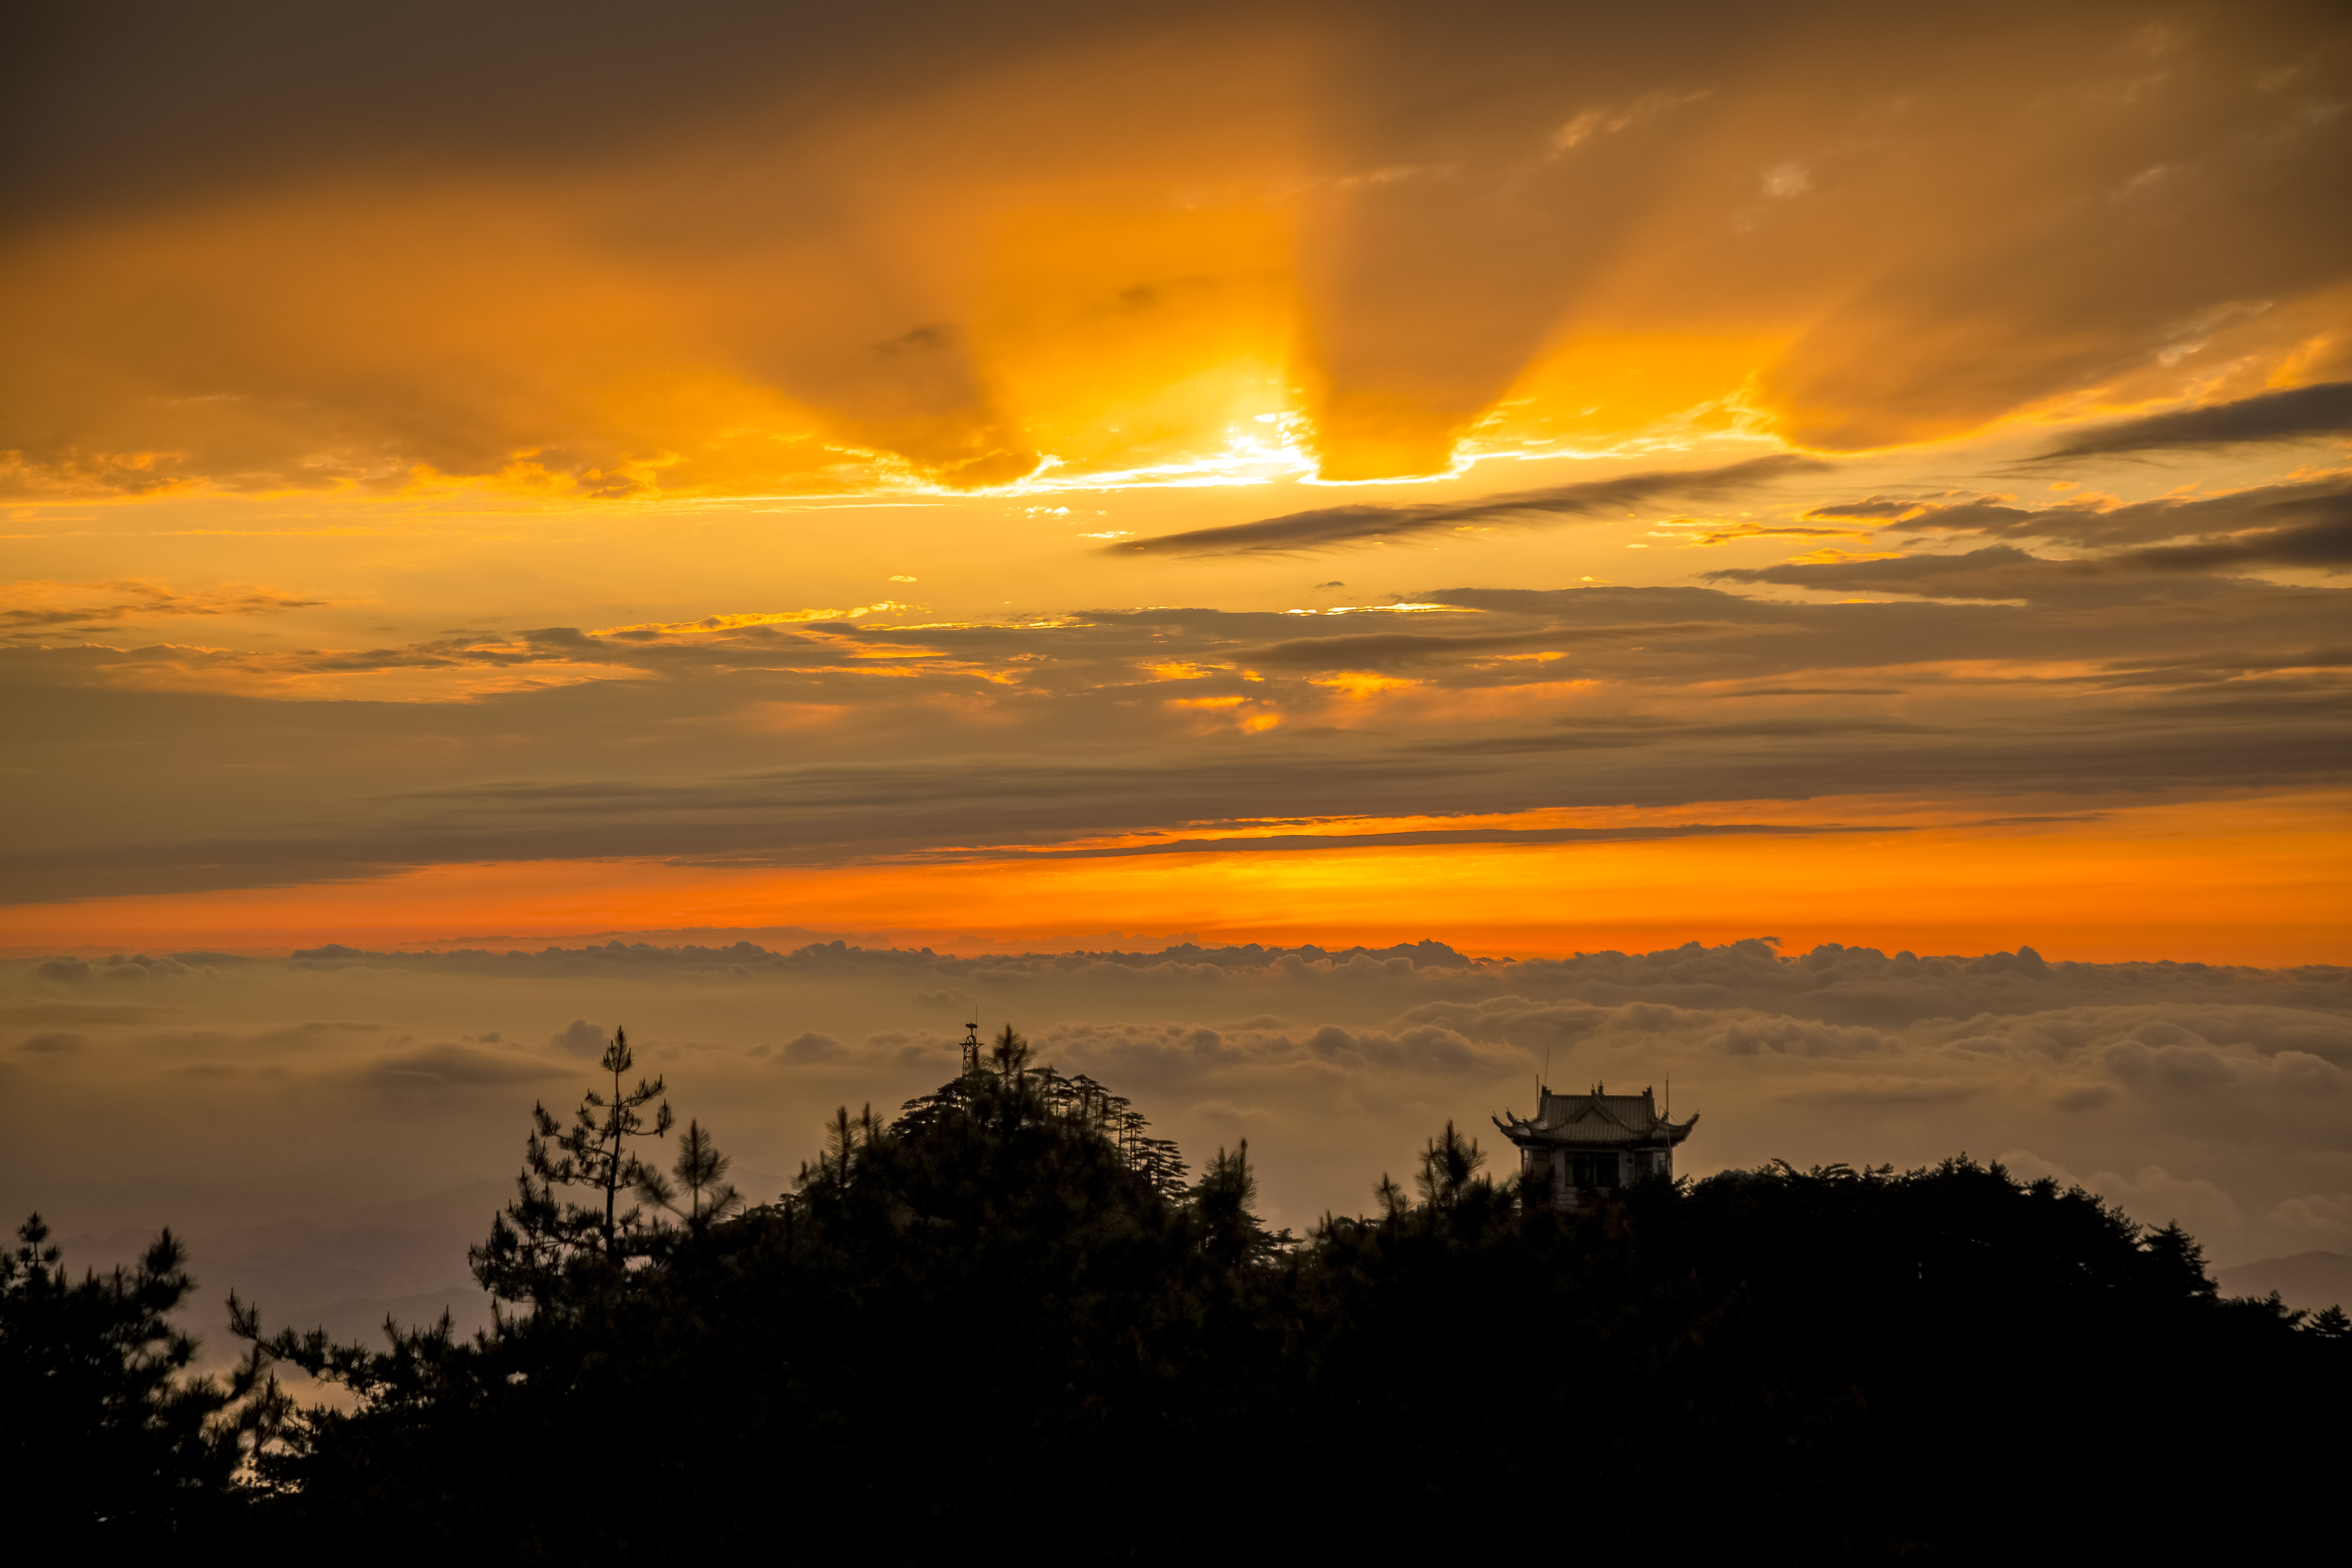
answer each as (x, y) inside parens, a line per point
(208, 1092)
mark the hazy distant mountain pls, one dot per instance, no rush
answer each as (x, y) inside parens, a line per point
(2307, 1279)
(343, 1272)
(362, 1317)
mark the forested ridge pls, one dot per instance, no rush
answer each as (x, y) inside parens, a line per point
(1008, 1317)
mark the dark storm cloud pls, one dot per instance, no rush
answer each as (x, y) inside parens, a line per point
(1333, 527)
(2293, 414)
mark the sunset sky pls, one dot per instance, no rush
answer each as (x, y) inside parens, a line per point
(1559, 476)
(1544, 478)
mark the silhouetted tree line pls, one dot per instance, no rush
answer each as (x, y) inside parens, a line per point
(1002, 1321)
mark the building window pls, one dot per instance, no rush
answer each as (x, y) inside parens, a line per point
(1595, 1170)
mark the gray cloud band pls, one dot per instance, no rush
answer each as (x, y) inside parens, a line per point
(2300, 413)
(1333, 527)
(1989, 672)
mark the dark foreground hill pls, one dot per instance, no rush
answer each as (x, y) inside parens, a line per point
(1005, 1322)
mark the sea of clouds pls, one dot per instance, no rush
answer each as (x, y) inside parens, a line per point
(331, 1128)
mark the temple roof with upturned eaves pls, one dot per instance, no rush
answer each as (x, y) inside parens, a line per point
(1595, 1120)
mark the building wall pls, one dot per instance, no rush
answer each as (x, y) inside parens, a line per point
(1564, 1166)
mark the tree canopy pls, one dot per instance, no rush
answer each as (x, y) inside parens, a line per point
(101, 1428)
(1004, 1313)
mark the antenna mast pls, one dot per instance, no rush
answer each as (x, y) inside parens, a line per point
(972, 1045)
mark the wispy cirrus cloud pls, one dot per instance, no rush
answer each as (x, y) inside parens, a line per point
(2020, 673)
(1388, 650)
(2103, 523)
(2300, 413)
(2307, 526)
(1330, 528)
(34, 608)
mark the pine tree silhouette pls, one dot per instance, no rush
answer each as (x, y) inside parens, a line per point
(1447, 1167)
(700, 1171)
(1010, 1280)
(101, 1428)
(541, 1234)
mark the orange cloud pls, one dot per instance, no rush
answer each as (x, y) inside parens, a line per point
(2261, 885)
(406, 490)
(1377, 244)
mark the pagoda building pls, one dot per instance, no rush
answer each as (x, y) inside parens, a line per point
(1588, 1144)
